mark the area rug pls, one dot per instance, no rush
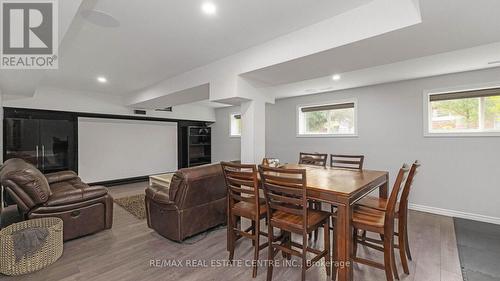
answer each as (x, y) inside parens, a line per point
(479, 250)
(134, 205)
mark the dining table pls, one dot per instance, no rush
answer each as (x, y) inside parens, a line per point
(342, 188)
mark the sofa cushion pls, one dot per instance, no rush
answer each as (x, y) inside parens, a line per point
(74, 191)
(60, 176)
(191, 187)
(158, 194)
(25, 180)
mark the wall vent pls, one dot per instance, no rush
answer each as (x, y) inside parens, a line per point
(169, 109)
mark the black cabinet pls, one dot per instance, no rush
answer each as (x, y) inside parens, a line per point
(48, 140)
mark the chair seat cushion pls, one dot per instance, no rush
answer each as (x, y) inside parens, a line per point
(292, 222)
(158, 193)
(73, 191)
(248, 209)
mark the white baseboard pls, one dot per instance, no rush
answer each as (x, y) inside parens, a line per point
(455, 214)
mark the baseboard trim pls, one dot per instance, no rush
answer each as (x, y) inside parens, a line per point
(121, 181)
(454, 214)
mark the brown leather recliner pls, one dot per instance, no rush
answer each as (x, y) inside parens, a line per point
(195, 202)
(84, 209)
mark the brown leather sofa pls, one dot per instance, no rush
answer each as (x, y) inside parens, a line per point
(84, 209)
(195, 202)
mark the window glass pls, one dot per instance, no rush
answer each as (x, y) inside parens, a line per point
(329, 119)
(462, 113)
(235, 125)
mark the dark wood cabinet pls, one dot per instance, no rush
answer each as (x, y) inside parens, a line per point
(48, 140)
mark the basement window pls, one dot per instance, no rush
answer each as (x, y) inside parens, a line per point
(235, 126)
(335, 119)
(464, 113)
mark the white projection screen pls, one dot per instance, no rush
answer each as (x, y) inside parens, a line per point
(111, 149)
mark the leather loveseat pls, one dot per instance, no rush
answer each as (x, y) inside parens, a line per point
(195, 202)
(84, 209)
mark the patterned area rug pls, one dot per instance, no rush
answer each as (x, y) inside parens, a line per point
(134, 205)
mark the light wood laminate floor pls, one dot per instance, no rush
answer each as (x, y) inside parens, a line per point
(126, 252)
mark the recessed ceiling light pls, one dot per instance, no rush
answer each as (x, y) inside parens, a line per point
(209, 8)
(102, 79)
(336, 77)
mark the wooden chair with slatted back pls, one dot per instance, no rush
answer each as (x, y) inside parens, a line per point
(344, 161)
(286, 201)
(244, 201)
(316, 159)
(381, 222)
(347, 161)
(401, 214)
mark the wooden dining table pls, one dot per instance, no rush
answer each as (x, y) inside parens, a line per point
(342, 188)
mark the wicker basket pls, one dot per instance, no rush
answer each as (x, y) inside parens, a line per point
(50, 252)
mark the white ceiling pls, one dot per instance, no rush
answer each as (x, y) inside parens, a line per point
(165, 38)
(447, 25)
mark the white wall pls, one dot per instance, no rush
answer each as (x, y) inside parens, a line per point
(224, 147)
(458, 174)
(110, 149)
(59, 99)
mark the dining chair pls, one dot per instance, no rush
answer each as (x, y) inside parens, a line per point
(401, 214)
(347, 161)
(286, 201)
(381, 222)
(316, 159)
(244, 201)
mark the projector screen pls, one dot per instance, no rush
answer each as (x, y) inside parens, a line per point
(111, 149)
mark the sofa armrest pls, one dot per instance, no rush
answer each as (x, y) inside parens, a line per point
(60, 176)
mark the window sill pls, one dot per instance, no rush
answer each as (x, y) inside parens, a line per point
(459, 135)
(327, 136)
(235, 136)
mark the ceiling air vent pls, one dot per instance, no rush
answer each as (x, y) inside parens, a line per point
(169, 109)
(139, 112)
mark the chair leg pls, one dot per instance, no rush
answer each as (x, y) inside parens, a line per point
(326, 234)
(256, 247)
(270, 252)
(403, 246)
(334, 252)
(304, 256)
(354, 242)
(388, 244)
(232, 237)
(394, 267)
(317, 207)
(407, 244)
(253, 232)
(228, 222)
(288, 244)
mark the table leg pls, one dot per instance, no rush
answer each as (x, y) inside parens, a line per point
(383, 191)
(343, 240)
